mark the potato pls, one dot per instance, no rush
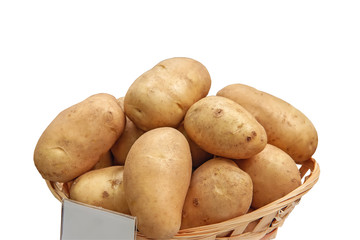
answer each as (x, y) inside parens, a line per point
(102, 188)
(161, 96)
(122, 146)
(219, 190)
(74, 141)
(274, 174)
(286, 127)
(157, 175)
(224, 128)
(198, 155)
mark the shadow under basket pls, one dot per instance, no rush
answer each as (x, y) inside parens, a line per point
(260, 224)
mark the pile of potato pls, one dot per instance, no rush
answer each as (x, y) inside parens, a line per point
(173, 156)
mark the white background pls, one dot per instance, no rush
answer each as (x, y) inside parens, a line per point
(54, 54)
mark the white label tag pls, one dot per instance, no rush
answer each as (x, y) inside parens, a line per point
(80, 221)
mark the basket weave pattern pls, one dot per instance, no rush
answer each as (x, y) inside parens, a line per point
(264, 221)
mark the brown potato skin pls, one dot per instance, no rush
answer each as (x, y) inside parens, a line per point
(102, 188)
(74, 141)
(198, 155)
(122, 146)
(286, 127)
(157, 175)
(161, 96)
(274, 174)
(219, 190)
(224, 128)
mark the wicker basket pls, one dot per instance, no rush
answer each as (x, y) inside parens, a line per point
(264, 221)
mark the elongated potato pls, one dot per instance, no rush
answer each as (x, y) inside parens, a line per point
(157, 175)
(224, 128)
(274, 174)
(219, 190)
(286, 127)
(74, 141)
(102, 188)
(161, 96)
(122, 146)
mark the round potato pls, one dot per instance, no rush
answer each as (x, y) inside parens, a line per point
(222, 127)
(157, 175)
(161, 96)
(74, 141)
(219, 190)
(286, 127)
(198, 155)
(274, 174)
(102, 188)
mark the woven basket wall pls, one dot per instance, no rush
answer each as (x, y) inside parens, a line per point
(262, 223)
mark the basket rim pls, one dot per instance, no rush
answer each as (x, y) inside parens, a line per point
(211, 229)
